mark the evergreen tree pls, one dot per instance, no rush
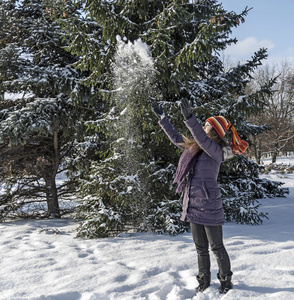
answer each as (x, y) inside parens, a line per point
(38, 121)
(184, 39)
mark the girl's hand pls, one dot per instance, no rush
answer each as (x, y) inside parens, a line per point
(186, 109)
(158, 111)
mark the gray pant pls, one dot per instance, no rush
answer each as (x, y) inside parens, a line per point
(205, 236)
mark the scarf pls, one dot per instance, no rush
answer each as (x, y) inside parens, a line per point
(186, 163)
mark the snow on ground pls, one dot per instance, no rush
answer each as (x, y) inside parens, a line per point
(37, 263)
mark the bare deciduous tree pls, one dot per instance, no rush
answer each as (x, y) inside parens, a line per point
(279, 110)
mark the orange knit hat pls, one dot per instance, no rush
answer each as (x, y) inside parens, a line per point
(221, 125)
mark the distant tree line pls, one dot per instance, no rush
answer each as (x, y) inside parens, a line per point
(278, 113)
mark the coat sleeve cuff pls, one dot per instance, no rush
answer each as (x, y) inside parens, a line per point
(163, 121)
(191, 122)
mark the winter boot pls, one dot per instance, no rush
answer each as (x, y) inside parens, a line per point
(226, 282)
(204, 282)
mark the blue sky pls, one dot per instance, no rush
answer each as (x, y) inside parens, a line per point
(269, 24)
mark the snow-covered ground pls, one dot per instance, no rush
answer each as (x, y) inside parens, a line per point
(38, 264)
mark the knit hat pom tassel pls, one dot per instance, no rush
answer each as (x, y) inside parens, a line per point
(238, 146)
(221, 125)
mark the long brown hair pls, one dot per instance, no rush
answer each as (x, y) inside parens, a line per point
(192, 145)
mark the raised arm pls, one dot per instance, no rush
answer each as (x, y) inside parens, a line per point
(174, 136)
(210, 147)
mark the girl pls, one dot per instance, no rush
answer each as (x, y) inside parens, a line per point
(202, 203)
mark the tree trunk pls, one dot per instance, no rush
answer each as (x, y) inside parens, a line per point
(52, 197)
(51, 189)
(275, 153)
(259, 150)
(274, 157)
(256, 150)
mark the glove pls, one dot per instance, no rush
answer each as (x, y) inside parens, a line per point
(186, 109)
(158, 111)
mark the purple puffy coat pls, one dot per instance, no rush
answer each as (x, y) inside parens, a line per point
(202, 203)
